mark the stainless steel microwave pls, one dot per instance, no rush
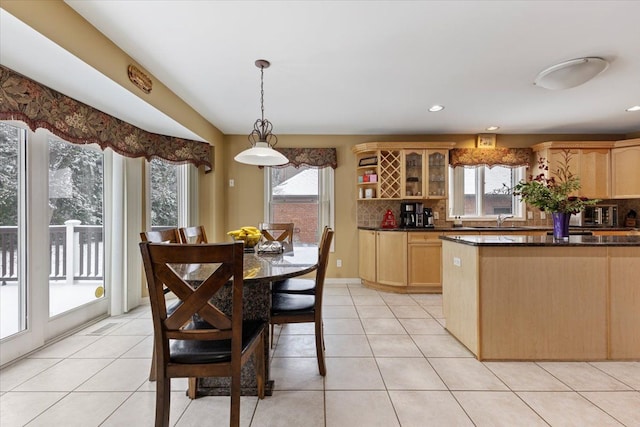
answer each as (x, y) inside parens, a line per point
(599, 215)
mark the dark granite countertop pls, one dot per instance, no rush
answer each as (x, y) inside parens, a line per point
(520, 240)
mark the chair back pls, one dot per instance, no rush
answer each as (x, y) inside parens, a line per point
(279, 232)
(195, 234)
(169, 235)
(323, 260)
(165, 266)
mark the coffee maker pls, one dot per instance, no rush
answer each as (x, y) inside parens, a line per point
(427, 217)
(411, 215)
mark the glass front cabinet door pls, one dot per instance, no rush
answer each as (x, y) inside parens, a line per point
(414, 174)
(437, 174)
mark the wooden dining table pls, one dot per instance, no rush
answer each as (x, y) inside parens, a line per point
(260, 270)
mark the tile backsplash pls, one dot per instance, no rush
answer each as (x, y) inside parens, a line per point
(371, 212)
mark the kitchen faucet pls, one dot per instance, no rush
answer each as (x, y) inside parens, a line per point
(501, 219)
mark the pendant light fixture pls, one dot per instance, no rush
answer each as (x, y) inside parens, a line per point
(262, 140)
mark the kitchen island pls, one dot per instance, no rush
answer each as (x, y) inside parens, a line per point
(516, 297)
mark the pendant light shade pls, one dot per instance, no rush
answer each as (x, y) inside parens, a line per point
(570, 73)
(262, 140)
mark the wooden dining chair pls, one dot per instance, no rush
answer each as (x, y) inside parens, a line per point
(297, 285)
(278, 232)
(216, 345)
(302, 308)
(195, 234)
(170, 235)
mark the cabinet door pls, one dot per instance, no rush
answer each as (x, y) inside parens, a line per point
(391, 256)
(594, 173)
(555, 158)
(437, 174)
(367, 255)
(413, 172)
(425, 261)
(625, 170)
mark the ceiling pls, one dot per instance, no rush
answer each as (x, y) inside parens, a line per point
(375, 67)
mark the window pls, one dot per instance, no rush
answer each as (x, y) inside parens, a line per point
(483, 192)
(302, 195)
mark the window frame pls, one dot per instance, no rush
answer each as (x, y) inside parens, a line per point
(326, 198)
(456, 193)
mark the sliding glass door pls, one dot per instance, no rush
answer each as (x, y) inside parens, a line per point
(51, 238)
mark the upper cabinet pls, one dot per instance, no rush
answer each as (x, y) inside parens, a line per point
(589, 160)
(625, 167)
(399, 170)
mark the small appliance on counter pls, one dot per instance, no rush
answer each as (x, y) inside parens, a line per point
(415, 215)
(428, 217)
(598, 215)
(410, 214)
(630, 220)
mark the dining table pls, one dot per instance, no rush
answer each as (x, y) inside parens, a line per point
(260, 270)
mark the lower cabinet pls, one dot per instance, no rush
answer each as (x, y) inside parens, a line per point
(391, 257)
(367, 255)
(425, 260)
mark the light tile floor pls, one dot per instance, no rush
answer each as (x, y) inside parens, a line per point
(390, 362)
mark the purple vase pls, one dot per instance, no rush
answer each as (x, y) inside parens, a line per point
(561, 225)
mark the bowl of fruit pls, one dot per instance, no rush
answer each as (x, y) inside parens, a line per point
(250, 236)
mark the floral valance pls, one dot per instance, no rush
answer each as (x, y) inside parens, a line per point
(41, 107)
(312, 157)
(513, 157)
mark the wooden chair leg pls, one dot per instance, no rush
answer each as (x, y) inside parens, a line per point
(260, 366)
(163, 401)
(152, 372)
(271, 336)
(235, 399)
(320, 348)
(192, 391)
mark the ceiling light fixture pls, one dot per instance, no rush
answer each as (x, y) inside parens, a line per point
(435, 108)
(570, 73)
(261, 152)
(493, 128)
(634, 108)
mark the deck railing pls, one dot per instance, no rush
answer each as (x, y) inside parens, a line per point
(76, 252)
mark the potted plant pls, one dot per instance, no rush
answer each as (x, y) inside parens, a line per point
(552, 194)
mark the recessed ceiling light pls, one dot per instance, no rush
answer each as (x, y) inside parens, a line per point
(634, 108)
(493, 128)
(435, 108)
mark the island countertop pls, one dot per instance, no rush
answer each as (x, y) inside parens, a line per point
(521, 240)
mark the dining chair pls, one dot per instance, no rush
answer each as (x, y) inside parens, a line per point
(303, 308)
(218, 344)
(170, 235)
(279, 232)
(297, 285)
(195, 234)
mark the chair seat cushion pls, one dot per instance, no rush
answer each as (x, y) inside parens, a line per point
(282, 303)
(192, 351)
(295, 286)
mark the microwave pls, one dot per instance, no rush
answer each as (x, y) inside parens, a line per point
(598, 215)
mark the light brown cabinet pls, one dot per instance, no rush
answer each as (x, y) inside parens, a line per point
(589, 160)
(625, 167)
(424, 174)
(367, 255)
(391, 258)
(424, 256)
(402, 170)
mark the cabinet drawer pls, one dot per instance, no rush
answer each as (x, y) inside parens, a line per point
(421, 237)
